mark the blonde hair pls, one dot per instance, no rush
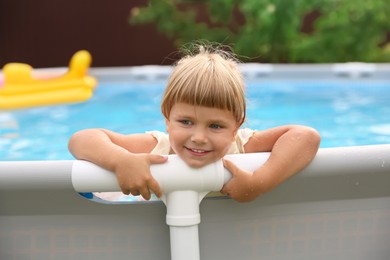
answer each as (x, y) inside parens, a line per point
(210, 77)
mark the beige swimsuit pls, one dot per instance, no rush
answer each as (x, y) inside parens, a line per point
(163, 147)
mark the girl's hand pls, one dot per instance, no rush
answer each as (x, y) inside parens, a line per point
(134, 177)
(243, 187)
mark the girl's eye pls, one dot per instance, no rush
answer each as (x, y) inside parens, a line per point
(185, 122)
(215, 126)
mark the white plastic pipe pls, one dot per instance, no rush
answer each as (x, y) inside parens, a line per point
(35, 175)
(184, 242)
(87, 177)
(173, 175)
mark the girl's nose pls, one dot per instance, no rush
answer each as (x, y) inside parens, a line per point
(199, 136)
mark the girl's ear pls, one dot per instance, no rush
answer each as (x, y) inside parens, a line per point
(235, 131)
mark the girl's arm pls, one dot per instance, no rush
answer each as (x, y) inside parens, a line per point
(292, 148)
(126, 155)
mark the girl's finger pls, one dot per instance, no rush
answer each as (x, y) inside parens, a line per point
(134, 192)
(230, 166)
(145, 193)
(157, 159)
(155, 188)
(125, 191)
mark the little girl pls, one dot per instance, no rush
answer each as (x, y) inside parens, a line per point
(204, 106)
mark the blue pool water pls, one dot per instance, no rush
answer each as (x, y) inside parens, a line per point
(345, 113)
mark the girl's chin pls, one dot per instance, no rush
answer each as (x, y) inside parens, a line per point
(196, 163)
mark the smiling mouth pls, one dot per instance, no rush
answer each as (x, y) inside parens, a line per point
(198, 152)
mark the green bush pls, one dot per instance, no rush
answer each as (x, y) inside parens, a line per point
(274, 30)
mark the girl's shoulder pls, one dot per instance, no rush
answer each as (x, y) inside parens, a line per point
(163, 146)
(245, 134)
(242, 137)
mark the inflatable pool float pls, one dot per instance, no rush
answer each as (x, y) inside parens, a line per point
(21, 90)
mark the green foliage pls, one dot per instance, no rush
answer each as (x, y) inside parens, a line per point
(271, 30)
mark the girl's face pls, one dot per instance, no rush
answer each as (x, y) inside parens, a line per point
(200, 135)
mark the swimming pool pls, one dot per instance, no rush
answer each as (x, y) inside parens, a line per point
(338, 208)
(346, 112)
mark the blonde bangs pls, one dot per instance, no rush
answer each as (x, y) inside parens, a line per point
(206, 80)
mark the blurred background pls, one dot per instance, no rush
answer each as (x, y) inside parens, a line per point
(46, 33)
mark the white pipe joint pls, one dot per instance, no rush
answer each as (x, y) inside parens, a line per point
(183, 207)
(176, 175)
(185, 187)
